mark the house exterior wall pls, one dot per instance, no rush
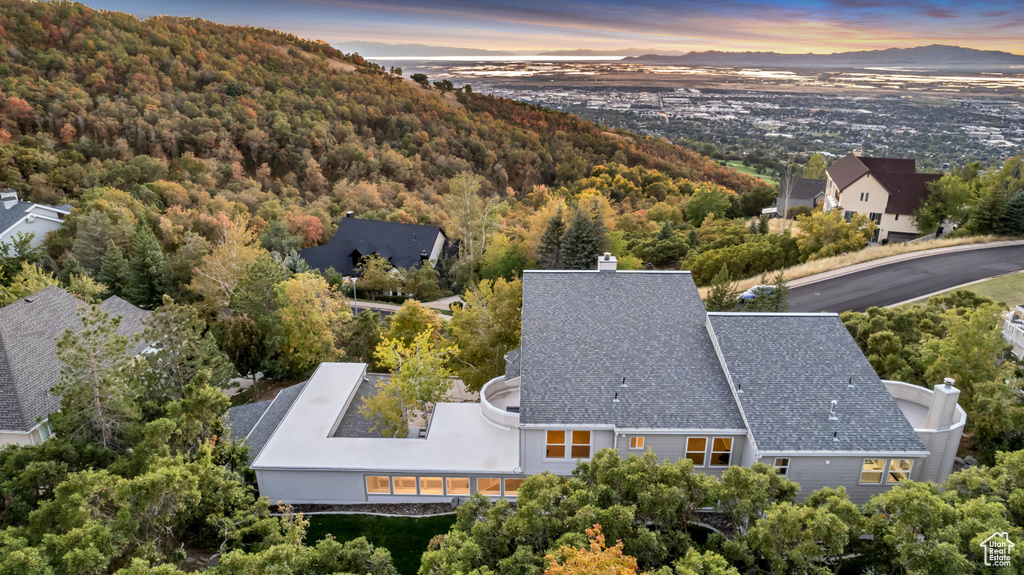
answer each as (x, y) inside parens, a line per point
(816, 472)
(673, 447)
(332, 487)
(35, 436)
(435, 252)
(878, 199)
(38, 226)
(533, 447)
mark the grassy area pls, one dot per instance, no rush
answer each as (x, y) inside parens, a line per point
(405, 537)
(1008, 289)
(865, 255)
(739, 167)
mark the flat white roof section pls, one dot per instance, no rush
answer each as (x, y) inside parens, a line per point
(459, 439)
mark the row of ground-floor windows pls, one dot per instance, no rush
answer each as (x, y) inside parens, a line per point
(874, 469)
(414, 485)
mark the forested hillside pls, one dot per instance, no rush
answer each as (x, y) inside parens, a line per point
(196, 119)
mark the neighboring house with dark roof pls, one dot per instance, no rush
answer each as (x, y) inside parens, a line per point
(801, 192)
(28, 218)
(404, 245)
(29, 367)
(628, 360)
(886, 190)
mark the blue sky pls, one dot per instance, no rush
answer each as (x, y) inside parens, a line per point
(785, 26)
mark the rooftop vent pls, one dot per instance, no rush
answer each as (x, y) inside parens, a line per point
(949, 381)
(615, 399)
(832, 411)
(835, 436)
(606, 262)
(850, 383)
(623, 383)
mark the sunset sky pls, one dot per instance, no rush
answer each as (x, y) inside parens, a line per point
(784, 26)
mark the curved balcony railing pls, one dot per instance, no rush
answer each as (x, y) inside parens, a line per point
(497, 397)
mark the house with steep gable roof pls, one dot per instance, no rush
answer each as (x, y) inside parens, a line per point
(404, 245)
(629, 361)
(29, 366)
(886, 190)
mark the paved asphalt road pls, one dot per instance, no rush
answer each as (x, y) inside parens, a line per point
(905, 280)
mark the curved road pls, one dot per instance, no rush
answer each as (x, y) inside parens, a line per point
(901, 281)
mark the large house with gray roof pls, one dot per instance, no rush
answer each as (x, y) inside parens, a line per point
(631, 361)
(29, 367)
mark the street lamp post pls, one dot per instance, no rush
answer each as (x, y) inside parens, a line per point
(355, 297)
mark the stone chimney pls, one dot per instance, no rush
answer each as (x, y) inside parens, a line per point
(9, 197)
(942, 411)
(606, 262)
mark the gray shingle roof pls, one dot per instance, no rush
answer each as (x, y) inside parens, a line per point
(29, 367)
(584, 331)
(10, 216)
(791, 367)
(256, 422)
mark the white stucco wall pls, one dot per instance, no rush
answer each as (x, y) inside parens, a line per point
(37, 225)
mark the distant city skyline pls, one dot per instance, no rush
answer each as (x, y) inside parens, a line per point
(796, 26)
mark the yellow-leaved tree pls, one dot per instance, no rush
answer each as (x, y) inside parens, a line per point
(216, 278)
(310, 315)
(420, 378)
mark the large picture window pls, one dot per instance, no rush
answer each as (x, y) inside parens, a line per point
(872, 470)
(581, 445)
(556, 445)
(457, 485)
(431, 486)
(899, 470)
(490, 486)
(512, 487)
(378, 485)
(405, 485)
(721, 452)
(696, 450)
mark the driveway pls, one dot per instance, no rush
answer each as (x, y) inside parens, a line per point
(901, 281)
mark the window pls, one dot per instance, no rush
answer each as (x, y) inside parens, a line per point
(581, 445)
(490, 486)
(378, 485)
(848, 215)
(431, 486)
(44, 431)
(556, 445)
(405, 485)
(721, 452)
(512, 486)
(782, 465)
(695, 449)
(636, 442)
(457, 485)
(896, 218)
(864, 196)
(872, 471)
(899, 470)
(875, 217)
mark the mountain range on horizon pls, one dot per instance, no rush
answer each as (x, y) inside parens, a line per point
(934, 56)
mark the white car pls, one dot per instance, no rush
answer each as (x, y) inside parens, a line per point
(756, 291)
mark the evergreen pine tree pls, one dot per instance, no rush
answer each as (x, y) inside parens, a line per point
(692, 238)
(581, 243)
(147, 269)
(71, 267)
(1013, 217)
(114, 271)
(722, 294)
(762, 226)
(987, 216)
(551, 242)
